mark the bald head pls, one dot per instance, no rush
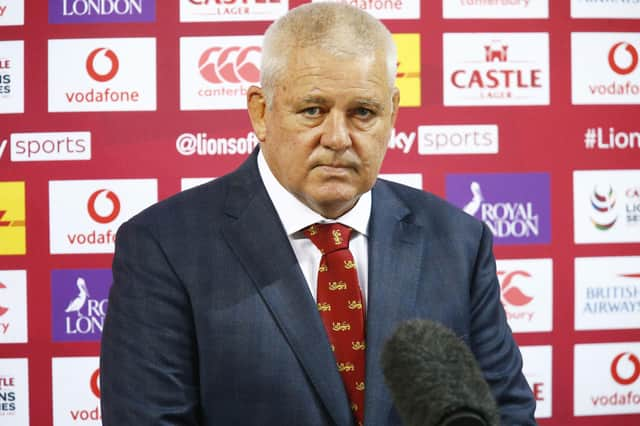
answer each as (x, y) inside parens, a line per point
(338, 29)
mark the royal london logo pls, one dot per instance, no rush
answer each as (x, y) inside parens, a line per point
(12, 218)
(603, 203)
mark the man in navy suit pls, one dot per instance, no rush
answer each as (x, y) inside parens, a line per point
(212, 316)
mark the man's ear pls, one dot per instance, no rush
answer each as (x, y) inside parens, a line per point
(257, 107)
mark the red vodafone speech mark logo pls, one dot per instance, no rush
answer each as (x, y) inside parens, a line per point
(3, 310)
(91, 206)
(631, 51)
(510, 293)
(111, 56)
(635, 362)
(230, 65)
(94, 382)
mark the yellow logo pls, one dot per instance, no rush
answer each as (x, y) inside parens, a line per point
(348, 264)
(340, 326)
(358, 346)
(360, 386)
(324, 307)
(346, 366)
(337, 285)
(12, 218)
(323, 268)
(408, 77)
(354, 304)
(313, 230)
(337, 237)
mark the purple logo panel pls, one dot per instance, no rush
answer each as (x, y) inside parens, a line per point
(84, 11)
(79, 303)
(515, 206)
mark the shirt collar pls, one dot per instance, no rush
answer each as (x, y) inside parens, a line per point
(296, 216)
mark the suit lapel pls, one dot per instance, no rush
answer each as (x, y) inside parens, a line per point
(395, 261)
(256, 236)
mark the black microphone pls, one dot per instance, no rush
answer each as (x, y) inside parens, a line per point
(435, 379)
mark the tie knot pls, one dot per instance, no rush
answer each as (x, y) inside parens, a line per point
(328, 237)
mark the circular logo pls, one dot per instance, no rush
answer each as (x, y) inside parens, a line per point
(635, 369)
(633, 53)
(603, 202)
(103, 218)
(94, 382)
(111, 68)
(230, 65)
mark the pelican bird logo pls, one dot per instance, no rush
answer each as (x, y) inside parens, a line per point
(473, 206)
(76, 304)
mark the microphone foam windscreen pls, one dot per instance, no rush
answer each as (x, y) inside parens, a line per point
(432, 374)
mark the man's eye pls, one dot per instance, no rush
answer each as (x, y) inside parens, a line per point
(363, 113)
(311, 111)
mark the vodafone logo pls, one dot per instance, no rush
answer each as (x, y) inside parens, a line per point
(627, 371)
(96, 208)
(230, 65)
(104, 67)
(3, 310)
(511, 294)
(614, 58)
(94, 383)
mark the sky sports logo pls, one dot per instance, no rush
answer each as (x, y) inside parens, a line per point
(91, 11)
(48, 146)
(447, 139)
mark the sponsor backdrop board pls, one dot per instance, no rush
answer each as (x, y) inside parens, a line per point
(522, 113)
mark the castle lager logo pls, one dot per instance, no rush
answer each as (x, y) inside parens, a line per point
(85, 11)
(232, 10)
(85, 214)
(216, 72)
(496, 68)
(515, 207)
(14, 391)
(113, 74)
(536, 367)
(604, 68)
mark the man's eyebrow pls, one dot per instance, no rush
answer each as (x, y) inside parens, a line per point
(314, 100)
(370, 103)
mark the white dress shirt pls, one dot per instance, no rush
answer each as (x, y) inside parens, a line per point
(295, 217)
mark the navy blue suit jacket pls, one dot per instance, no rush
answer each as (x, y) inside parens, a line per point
(210, 320)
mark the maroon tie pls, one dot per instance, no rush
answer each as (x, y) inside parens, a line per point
(341, 308)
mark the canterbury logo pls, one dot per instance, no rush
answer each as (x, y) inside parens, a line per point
(230, 65)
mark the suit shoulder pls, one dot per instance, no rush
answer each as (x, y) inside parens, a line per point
(431, 209)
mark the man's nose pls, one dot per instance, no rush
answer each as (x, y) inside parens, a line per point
(335, 133)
